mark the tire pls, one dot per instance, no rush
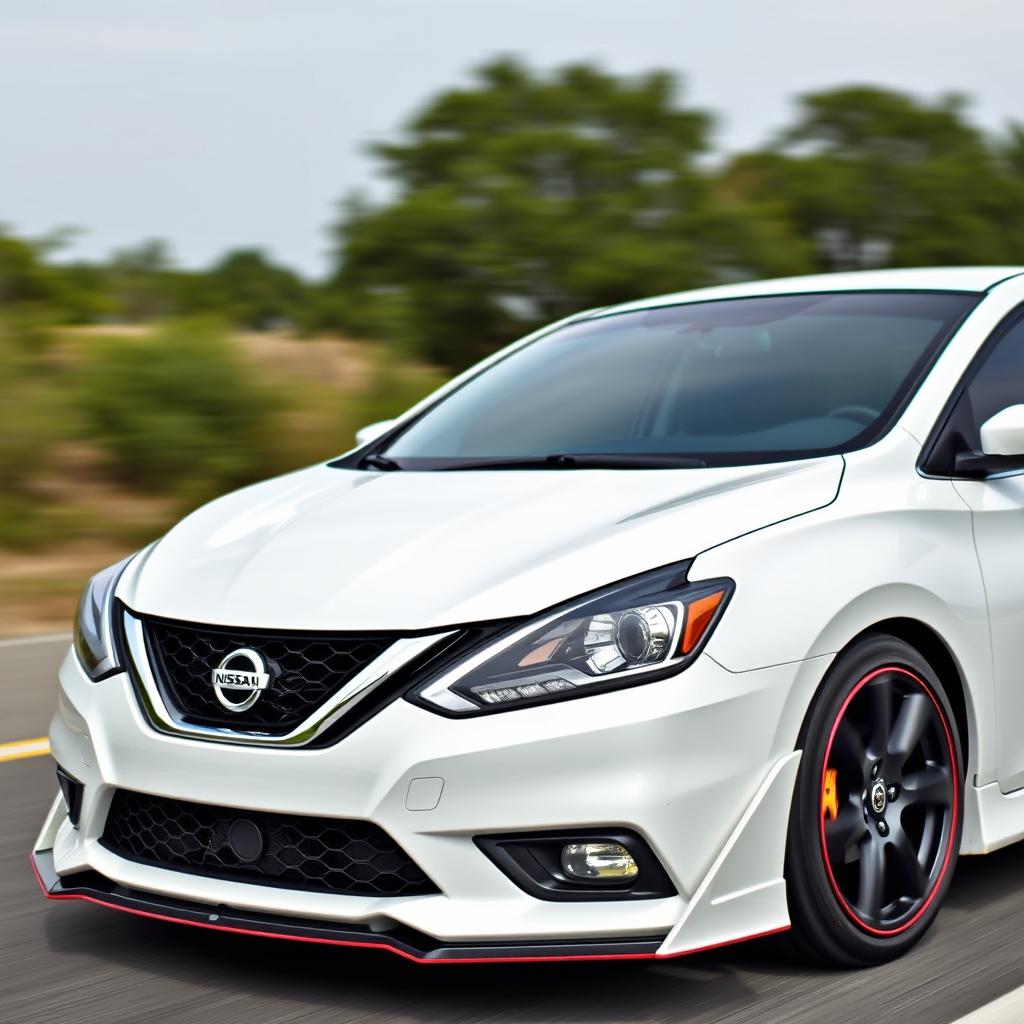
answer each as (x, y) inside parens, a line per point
(894, 798)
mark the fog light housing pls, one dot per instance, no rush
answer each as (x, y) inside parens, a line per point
(609, 863)
(599, 862)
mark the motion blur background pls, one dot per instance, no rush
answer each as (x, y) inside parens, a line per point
(234, 232)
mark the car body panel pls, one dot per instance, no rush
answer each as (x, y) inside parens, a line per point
(654, 764)
(894, 545)
(332, 549)
(998, 507)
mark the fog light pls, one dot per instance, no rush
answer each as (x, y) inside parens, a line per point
(605, 861)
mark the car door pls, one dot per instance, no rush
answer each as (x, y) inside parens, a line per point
(996, 381)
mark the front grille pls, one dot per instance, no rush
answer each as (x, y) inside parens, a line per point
(305, 671)
(288, 851)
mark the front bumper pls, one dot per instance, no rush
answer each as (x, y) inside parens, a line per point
(701, 765)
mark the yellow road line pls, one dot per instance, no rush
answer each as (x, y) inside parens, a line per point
(24, 748)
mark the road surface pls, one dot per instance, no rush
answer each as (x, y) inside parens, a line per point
(71, 962)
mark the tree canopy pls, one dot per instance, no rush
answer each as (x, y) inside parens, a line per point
(874, 177)
(525, 197)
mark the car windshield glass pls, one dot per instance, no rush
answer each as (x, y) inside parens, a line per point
(713, 383)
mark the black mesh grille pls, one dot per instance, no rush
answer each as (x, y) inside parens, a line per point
(305, 671)
(282, 850)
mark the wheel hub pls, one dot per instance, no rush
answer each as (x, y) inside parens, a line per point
(878, 797)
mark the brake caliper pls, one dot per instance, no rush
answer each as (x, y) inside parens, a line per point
(829, 800)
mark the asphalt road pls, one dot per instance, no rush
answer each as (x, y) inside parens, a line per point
(70, 962)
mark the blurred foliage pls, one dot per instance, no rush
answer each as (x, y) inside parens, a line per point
(178, 411)
(32, 419)
(141, 284)
(254, 293)
(525, 198)
(876, 178)
(394, 386)
(112, 435)
(515, 200)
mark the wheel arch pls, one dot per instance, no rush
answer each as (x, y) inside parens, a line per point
(937, 652)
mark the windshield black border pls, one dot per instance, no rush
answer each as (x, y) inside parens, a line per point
(867, 437)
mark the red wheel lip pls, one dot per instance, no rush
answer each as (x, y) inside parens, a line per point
(850, 912)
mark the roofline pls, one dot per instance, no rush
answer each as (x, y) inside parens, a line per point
(824, 284)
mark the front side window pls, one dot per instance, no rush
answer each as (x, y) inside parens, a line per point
(998, 383)
(713, 383)
(994, 382)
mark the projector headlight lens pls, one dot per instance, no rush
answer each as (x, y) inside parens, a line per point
(640, 630)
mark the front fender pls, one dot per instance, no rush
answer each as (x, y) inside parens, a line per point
(892, 546)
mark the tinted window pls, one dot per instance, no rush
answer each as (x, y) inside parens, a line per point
(999, 382)
(730, 381)
(995, 381)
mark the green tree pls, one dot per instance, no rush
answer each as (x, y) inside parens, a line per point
(524, 198)
(254, 292)
(32, 285)
(141, 280)
(875, 177)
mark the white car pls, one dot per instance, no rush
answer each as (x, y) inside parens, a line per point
(672, 625)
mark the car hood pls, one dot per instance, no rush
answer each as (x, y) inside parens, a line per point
(336, 549)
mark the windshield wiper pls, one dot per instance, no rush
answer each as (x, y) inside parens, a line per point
(375, 461)
(585, 460)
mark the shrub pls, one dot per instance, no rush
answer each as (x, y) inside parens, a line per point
(179, 411)
(31, 426)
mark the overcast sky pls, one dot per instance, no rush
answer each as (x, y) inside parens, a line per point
(221, 123)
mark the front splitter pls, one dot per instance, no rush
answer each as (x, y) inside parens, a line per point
(92, 887)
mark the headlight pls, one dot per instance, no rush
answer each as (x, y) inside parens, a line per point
(640, 630)
(92, 634)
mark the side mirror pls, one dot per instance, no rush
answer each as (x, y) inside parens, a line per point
(1002, 445)
(1003, 434)
(374, 430)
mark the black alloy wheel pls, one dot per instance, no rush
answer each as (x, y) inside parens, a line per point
(876, 821)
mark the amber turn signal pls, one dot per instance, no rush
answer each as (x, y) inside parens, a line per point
(698, 617)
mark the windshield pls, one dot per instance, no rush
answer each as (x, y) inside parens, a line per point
(713, 383)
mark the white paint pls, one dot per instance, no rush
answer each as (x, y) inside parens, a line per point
(424, 794)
